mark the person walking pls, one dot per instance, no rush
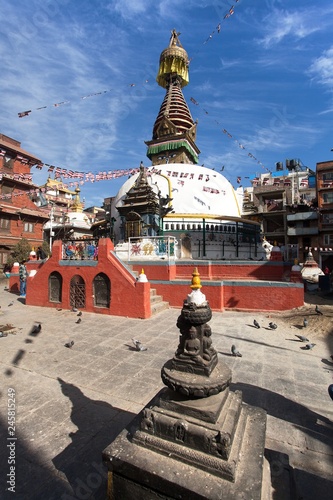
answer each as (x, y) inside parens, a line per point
(23, 274)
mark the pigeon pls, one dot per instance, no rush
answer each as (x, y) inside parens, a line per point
(36, 329)
(69, 344)
(74, 310)
(138, 345)
(256, 324)
(305, 323)
(318, 311)
(3, 334)
(10, 304)
(235, 351)
(310, 346)
(332, 357)
(78, 320)
(79, 313)
(302, 338)
(330, 391)
(272, 326)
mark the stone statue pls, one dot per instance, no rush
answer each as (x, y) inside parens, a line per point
(208, 350)
(192, 343)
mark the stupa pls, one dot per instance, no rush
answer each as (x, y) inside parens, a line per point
(195, 439)
(183, 199)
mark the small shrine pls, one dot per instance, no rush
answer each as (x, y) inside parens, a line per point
(139, 211)
(310, 270)
(196, 438)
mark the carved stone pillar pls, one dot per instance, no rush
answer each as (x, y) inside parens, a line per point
(195, 439)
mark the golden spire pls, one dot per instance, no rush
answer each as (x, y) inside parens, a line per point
(77, 206)
(173, 62)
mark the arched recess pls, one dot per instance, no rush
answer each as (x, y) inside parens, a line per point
(102, 290)
(77, 292)
(55, 287)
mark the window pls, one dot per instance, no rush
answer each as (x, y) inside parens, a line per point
(4, 224)
(7, 192)
(328, 239)
(328, 197)
(8, 161)
(3, 257)
(29, 227)
(328, 176)
(328, 219)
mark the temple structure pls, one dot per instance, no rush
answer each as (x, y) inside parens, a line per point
(175, 196)
(70, 223)
(165, 219)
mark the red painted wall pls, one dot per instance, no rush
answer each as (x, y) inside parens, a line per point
(213, 270)
(234, 285)
(242, 285)
(263, 296)
(239, 295)
(128, 297)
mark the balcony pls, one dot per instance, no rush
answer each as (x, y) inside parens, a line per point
(302, 231)
(302, 216)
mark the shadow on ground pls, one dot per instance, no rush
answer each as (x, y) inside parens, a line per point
(98, 423)
(317, 427)
(79, 472)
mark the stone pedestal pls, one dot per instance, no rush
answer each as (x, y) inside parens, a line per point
(195, 439)
(210, 448)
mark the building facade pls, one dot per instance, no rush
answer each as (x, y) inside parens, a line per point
(19, 215)
(285, 205)
(324, 171)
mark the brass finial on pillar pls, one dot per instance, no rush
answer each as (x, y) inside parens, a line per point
(196, 283)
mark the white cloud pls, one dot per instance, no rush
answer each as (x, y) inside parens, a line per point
(281, 24)
(130, 8)
(322, 68)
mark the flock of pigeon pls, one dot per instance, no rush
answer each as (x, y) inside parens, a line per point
(70, 343)
(273, 326)
(234, 351)
(302, 338)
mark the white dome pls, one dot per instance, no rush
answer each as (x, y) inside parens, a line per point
(193, 189)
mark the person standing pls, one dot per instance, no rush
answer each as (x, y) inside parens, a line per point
(23, 274)
(41, 255)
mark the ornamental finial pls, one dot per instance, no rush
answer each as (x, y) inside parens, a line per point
(196, 283)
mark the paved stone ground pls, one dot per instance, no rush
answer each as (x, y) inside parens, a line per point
(71, 403)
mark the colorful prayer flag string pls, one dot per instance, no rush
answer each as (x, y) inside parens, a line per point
(217, 30)
(225, 131)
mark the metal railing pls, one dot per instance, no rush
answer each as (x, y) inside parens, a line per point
(152, 248)
(80, 249)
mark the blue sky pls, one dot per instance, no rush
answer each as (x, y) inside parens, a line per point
(266, 78)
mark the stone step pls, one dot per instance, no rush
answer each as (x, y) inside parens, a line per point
(156, 298)
(157, 303)
(158, 307)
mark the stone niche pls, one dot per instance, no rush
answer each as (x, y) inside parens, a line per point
(196, 439)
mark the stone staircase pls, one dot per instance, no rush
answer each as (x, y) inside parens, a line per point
(157, 303)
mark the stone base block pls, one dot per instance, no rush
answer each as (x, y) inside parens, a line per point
(158, 468)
